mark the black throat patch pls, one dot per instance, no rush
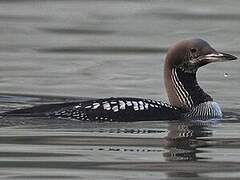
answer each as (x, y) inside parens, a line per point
(188, 88)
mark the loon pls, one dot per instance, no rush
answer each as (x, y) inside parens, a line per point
(186, 97)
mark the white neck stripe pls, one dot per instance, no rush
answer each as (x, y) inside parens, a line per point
(182, 93)
(179, 92)
(187, 98)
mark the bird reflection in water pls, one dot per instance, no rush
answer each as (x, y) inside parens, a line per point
(184, 139)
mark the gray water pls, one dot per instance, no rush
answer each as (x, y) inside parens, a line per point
(62, 50)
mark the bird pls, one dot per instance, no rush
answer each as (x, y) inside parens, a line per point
(187, 100)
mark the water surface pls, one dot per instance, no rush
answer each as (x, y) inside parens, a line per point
(59, 51)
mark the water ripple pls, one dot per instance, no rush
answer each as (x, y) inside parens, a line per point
(196, 16)
(23, 18)
(76, 31)
(102, 50)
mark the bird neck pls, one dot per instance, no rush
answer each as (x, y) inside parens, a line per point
(183, 89)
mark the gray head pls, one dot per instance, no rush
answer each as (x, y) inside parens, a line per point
(181, 65)
(189, 55)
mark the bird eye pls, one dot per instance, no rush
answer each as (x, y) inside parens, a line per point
(193, 50)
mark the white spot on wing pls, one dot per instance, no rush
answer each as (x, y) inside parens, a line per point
(141, 107)
(129, 103)
(151, 105)
(106, 106)
(135, 105)
(87, 107)
(77, 106)
(122, 105)
(146, 105)
(95, 105)
(115, 108)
